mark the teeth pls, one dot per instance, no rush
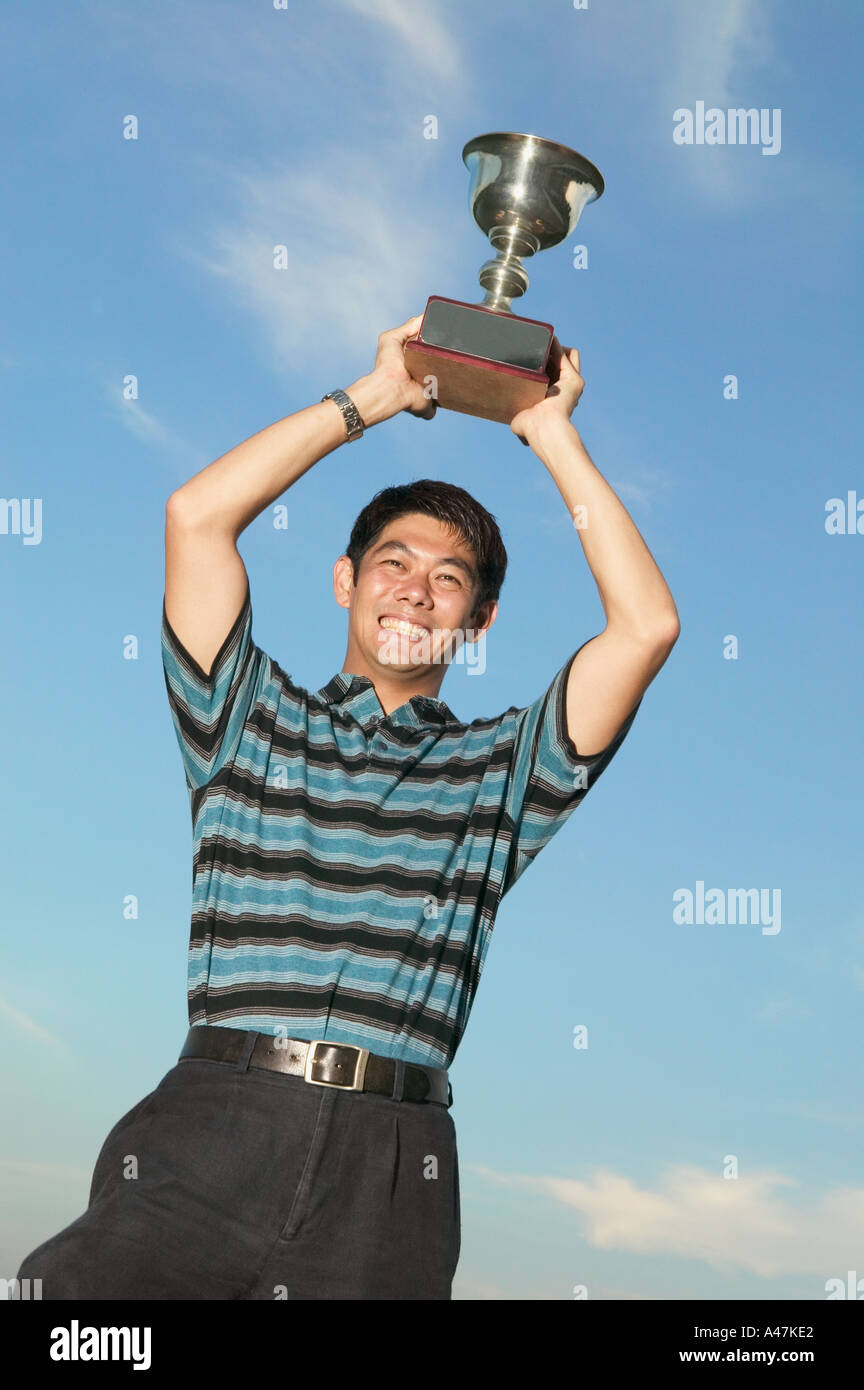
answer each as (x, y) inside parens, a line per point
(407, 629)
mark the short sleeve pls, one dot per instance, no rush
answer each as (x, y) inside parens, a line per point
(549, 778)
(209, 711)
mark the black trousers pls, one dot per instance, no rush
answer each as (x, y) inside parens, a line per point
(230, 1182)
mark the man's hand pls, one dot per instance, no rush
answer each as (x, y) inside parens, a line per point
(561, 399)
(388, 388)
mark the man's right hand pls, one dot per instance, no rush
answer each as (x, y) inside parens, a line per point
(388, 388)
(205, 577)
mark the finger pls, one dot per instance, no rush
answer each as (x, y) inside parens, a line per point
(405, 329)
(553, 365)
(570, 359)
(426, 411)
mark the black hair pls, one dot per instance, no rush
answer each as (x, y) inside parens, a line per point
(447, 503)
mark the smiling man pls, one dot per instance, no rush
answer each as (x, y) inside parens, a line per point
(352, 846)
(399, 637)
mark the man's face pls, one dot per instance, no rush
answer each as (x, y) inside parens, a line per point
(414, 603)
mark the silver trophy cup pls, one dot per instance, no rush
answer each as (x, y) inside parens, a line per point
(526, 194)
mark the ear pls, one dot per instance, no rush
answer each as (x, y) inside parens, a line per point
(483, 618)
(343, 581)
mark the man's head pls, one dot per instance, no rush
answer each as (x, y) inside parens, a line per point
(424, 552)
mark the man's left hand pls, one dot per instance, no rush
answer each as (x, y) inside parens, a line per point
(562, 396)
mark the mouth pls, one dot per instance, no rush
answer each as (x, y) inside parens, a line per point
(390, 623)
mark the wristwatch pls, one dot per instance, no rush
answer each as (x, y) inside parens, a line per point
(350, 413)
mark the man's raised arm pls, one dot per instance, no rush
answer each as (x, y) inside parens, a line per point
(205, 577)
(611, 672)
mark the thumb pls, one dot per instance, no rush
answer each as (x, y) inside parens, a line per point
(409, 326)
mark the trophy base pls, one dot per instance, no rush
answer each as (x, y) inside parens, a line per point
(481, 361)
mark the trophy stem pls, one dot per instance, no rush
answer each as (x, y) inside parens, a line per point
(504, 278)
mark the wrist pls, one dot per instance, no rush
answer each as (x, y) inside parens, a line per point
(375, 399)
(548, 432)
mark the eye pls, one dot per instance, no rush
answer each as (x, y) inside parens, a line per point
(452, 577)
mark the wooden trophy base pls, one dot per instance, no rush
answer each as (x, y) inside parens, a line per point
(480, 361)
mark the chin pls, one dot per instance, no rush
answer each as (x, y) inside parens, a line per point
(395, 659)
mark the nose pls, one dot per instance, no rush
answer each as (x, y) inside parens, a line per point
(414, 589)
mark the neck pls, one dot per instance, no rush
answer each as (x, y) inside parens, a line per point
(394, 687)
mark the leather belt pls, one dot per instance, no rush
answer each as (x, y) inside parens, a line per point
(343, 1065)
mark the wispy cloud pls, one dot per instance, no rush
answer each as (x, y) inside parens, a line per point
(698, 1215)
(258, 58)
(347, 277)
(775, 1010)
(711, 43)
(353, 211)
(421, 30)
(672, 46)
(716, 53)
(177, 453)
(673, 53)
(645, 488)
(818, 1113)
(23, 1023)
(642, 489)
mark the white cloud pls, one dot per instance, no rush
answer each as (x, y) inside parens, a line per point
(716, 52)
(420, 29)
(776, 1009)
(362, 258)
(820, 1114)
(644, 493)
(698, 1215)
(674, 45)
(255, 62)
(25, 1024)
(673, 53)
(182, 457)
(710, 42)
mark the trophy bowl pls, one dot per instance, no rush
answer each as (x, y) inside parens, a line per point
(526, 194)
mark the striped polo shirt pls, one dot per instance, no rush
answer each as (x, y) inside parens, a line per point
(348, 865)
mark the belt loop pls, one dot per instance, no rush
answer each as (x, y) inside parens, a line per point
(399, 1081)
(247, 1049)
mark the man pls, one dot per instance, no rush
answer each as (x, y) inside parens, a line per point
(351, 849)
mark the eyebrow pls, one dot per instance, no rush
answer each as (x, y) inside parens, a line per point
(447, 560)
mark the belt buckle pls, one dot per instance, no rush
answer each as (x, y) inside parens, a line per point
(359, 1067)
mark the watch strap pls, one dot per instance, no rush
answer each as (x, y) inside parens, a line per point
(350, 414)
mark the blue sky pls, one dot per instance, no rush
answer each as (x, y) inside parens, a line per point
(601, 1166)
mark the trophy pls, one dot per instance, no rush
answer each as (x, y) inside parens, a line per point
(526, 194)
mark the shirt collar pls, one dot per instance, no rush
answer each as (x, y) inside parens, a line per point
(358, 694)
